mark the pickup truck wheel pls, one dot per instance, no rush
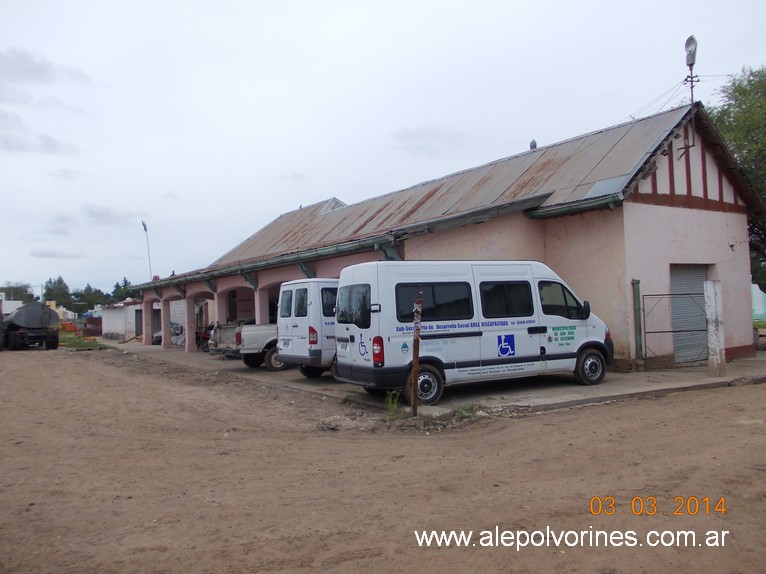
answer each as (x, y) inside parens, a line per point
(430, 386)
(272, 364)
(311, 372)
(590, 367)
(253, 360)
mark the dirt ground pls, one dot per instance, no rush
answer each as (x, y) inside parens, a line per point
(114, 462)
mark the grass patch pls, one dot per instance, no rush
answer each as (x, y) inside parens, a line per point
(76, 341)
(392, 399)
(461, 414)
(759, 324)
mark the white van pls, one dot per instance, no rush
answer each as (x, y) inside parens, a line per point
(306, 324)
(481, 320)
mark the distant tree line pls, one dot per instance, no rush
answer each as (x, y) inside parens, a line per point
(78, 300)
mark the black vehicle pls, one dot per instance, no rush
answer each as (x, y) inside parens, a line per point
(32, 324)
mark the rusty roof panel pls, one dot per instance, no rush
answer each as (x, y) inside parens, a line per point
(579, 169)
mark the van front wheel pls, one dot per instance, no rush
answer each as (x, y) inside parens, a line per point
(590, 368)
(430, 386)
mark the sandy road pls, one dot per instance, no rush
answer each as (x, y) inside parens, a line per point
(120, 463)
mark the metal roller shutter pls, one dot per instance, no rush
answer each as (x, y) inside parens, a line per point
(688, 312)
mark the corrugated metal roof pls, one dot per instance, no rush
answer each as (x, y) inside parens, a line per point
(594, 165)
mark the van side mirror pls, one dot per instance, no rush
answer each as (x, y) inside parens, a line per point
(585, 310)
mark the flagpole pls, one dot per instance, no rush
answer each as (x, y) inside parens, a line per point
(148, 254)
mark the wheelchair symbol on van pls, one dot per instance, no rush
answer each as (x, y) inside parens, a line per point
(362, 347)
(506, 346)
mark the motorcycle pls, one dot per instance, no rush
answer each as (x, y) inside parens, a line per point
(203, 337)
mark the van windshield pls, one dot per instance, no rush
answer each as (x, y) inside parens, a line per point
(353, 305)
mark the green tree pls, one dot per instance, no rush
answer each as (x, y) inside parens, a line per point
(88, 298)
(124, 290)
(18, 292)
(57, 290)
(741, 119)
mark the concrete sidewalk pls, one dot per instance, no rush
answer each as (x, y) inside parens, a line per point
(523, 395)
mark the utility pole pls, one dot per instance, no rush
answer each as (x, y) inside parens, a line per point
(148, 254)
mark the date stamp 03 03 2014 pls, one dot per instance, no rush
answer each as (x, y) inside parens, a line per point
(648, 506)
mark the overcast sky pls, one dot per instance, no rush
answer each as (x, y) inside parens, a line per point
(208, 119)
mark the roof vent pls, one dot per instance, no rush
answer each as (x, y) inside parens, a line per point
(331, 205)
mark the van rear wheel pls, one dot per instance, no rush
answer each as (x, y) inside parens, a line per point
(430, 386)
(311, 372)
(590, 368)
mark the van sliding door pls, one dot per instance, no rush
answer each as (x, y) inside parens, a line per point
(510, 341)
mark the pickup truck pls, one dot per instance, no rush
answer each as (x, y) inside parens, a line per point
(257, 345)
(223, 338)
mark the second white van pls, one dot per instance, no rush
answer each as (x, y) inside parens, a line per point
(306, 324)
(481, 320)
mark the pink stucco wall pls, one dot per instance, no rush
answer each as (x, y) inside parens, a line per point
(588, 251)
(661, 236)
(512, 236)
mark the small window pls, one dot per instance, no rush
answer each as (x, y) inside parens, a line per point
(558, 300)
(286, 304)
(506, 299)
(329, 294)
(353, 305)
(441, 301)
(301, 302)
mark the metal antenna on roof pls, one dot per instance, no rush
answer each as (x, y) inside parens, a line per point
(691, 59)
(691, 79)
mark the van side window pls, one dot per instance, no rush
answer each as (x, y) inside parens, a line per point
(506, 299)
(286, 304)
(441, 301)
(353, 305)
(301, 302)
(329, 294)
(558, 300)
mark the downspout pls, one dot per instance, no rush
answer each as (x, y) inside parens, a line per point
(637, 325)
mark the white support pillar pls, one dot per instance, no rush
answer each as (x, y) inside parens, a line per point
(716, 358)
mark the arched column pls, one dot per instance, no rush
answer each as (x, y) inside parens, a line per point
(190, 326)
(146, 320)
(221, 308)
(165, 315)
(261, 306)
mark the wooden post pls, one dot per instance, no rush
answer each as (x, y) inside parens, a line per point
(416, 353)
